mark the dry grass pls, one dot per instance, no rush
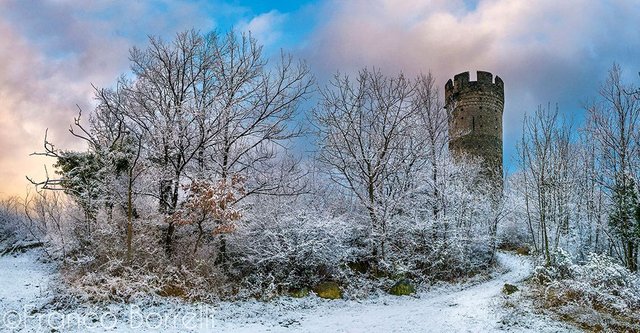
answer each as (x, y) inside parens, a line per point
(591, 312)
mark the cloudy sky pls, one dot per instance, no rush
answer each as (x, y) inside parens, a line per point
(51, 52)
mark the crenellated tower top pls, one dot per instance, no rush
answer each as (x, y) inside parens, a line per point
(461, 84)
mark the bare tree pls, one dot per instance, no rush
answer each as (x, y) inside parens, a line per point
(173, 82)
(433, 127)
(254, 109)
(44, 220)
(201, 106)
(367, 139)
(614, 125)
(544, 156)
(591, 202)
(206, 106)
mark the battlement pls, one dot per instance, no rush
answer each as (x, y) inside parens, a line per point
(485, 82)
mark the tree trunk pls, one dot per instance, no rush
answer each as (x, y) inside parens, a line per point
(631, 256)
(173, 203)
(168, 246)
(199, 239)
(165, 195)
(222, 253)
(129, 216)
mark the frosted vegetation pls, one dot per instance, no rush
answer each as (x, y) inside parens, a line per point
(190, 187)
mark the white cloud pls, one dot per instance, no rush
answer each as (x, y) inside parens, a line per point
(264, 27)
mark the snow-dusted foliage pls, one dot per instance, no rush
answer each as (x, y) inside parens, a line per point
(178, 154)
(9, 214)
(205, 201)
(456, 242)
(287, 246)
(598, 294)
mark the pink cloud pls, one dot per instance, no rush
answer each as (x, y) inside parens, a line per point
(52, 53)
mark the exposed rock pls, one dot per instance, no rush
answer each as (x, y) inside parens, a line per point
(402, 287)
(509, 289)
(328, 290)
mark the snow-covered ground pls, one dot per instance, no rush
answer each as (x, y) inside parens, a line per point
(24, 288)
(476, 308)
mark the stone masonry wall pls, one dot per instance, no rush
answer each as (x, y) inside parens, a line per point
(475, 123)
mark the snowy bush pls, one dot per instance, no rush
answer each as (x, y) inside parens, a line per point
(513, 234)
(288, 248)
(423, 257)
(8, 222)
(561, 267)
(602, 271)
(40, 220)
(97, 269)
(599, 294)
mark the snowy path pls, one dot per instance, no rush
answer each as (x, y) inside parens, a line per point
(474, 309)
(469, 310)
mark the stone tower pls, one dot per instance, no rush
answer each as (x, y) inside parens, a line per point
(475, 120)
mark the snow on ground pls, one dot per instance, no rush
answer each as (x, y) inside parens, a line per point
(24, 285)
(475, 308)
